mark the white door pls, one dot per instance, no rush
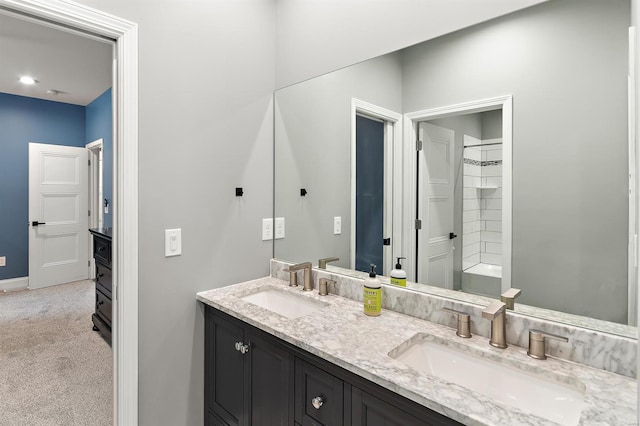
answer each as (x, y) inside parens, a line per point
(58, 215)
(435, 206)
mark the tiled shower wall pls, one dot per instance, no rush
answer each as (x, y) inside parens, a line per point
(482, 203)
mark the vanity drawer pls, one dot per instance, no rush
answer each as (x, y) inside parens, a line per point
(103, 279)
(103, 307)
(102, 250)
(311, 383)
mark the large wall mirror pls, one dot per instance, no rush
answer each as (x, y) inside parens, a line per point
(493, 157)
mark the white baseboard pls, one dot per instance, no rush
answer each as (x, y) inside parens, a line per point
(12, 284)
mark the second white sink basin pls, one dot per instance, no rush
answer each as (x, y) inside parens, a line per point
(284, 303)
(544, 397)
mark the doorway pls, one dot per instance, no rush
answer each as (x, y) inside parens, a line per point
(88, 22)
(376, 147)
(429, 224)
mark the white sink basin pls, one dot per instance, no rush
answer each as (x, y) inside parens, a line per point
(285, 303)
(559, 402)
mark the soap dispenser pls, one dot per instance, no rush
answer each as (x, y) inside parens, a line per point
(372, 294)
(398, 275)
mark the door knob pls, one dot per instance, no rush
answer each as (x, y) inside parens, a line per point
(36, 223)
(452, 235)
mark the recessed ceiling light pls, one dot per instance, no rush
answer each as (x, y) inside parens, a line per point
(25, 79)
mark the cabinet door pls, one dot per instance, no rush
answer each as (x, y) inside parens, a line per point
(224, 370)
(270, 381)
(367, 410)
(312, 384)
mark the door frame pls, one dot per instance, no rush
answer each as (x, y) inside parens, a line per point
(96, 214)
(411, 121)
(89, 22)
(392, 178)
(95, 176)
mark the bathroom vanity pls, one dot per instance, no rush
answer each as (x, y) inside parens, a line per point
(253, 377)
(326, 363)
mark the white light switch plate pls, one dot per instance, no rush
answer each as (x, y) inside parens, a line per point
(267, 229)
(337, 225)
(3, 260)
(279, 232)
(172, 242)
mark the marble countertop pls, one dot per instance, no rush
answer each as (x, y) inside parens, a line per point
(343, 335)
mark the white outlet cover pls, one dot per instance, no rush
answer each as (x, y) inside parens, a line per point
(337, 225)
(279, 231)
(267, 229)
(172, 242)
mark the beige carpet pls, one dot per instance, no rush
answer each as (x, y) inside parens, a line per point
(54, 369)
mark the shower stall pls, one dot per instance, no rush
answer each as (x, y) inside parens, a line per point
(482, 216)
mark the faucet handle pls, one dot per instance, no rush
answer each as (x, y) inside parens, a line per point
(494, 310)
(509, 297)
(537, 347)
(463, 329)
(322, 263)
(293, 277)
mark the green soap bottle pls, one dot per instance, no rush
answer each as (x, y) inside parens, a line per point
(398, 276)
(372, 294)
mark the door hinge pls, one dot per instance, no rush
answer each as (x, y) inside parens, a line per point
(418, 145)
(89, 162)
(386, 241)
(89, 213)
(88, 263)
(418, 224)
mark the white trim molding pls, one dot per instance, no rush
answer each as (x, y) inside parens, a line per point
(411, 121)
(75, 17)
(13, 284)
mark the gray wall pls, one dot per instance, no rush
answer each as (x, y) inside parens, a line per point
(315, 37)
(313, 151)
(206, 79)
(566, 69)
(492, 124)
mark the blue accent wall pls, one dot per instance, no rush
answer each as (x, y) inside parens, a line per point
(99, 125)
(24, 120)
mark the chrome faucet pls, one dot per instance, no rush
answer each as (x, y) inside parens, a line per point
(495, 312)
(308, 282)
(509, 297)
(537, 347)
(322, 263)
(462, 329)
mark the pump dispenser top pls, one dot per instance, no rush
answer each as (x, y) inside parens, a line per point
(398, 276)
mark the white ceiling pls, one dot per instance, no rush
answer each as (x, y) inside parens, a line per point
(77, 66)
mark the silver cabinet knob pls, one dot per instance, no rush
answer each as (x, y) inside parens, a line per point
(242, 347)
(317, 402)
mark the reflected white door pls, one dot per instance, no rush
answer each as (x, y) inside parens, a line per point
(58, 215)
(435, 206)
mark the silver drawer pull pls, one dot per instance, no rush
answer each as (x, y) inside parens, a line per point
(317, 402)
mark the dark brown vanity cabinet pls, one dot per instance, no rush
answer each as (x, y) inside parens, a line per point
(102, 255)
(248, 375)
(253, 378)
